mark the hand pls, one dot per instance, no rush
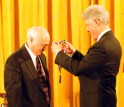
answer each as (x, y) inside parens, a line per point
(56, 47)
(67, 47)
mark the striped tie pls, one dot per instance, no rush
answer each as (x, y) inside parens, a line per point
(42, 76)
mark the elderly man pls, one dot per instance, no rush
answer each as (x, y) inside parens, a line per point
(26, 75)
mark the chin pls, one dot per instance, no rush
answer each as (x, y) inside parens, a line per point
(39, 53)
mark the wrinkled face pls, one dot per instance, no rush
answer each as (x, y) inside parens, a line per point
(92, 27)
(39, 44)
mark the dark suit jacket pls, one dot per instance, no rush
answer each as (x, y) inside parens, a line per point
(96, 70)
(22, 85)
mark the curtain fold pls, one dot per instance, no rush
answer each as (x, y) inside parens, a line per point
(119, 32)
(63, 20)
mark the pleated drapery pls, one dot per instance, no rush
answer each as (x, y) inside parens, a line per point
(62, 18)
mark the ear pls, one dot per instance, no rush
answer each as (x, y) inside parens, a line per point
(31, 39)
(97, 22)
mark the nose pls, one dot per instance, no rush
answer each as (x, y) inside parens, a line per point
(44, 48)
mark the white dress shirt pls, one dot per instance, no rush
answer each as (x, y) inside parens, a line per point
(102, 33)
(33, 57)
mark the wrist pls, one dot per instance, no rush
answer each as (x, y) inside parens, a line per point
(73, 51)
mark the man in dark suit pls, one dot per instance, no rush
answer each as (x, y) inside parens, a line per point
(97, 70)
(22, 83)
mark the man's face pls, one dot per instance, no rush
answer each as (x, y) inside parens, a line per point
(92, 27)
(39, 45)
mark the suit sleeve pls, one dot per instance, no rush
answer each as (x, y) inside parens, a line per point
(12, 83)
(82, 65)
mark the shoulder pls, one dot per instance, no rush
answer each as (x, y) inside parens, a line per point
(16, 55)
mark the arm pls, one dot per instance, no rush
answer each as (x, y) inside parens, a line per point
(92, 61)
(12, 83)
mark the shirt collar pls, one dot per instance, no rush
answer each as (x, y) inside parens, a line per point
(102, 33)
(30, 52)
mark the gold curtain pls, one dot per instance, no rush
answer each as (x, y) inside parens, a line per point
(63, 20)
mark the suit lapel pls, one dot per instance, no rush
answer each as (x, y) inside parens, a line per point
(29, 66)
(33, 72)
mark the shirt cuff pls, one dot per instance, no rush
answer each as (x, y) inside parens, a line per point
(72, 52)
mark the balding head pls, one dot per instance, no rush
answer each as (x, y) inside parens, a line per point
(38, 38)
(38, 32)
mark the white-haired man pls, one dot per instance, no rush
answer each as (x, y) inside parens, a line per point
(23, 85)
(97, 70)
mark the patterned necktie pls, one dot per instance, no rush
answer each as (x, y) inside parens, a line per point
(42, 76)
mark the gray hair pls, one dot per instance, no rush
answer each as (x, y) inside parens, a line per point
(34, 31)
(31, 33)
(97, 12)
